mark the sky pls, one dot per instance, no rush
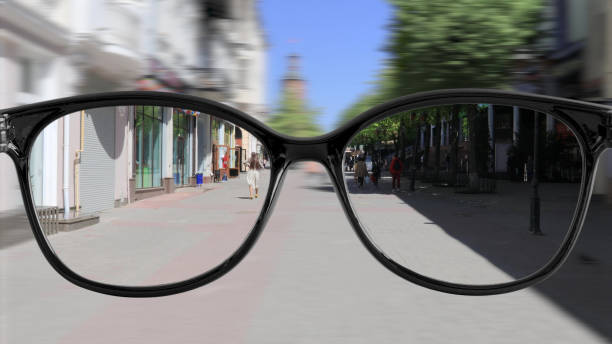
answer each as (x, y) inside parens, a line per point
(341, 46)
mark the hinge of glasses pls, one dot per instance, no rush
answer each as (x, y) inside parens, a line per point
(4, 132)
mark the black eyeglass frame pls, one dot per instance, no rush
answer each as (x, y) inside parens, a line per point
(591, 124)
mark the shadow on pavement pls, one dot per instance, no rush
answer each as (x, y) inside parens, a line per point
(581, 286)
(325, 188)
(15, 228)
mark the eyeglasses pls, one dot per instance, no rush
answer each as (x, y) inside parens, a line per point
(468, 191)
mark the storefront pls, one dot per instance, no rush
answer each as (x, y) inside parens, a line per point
(227, 154)
(148, 122)
(182, 124)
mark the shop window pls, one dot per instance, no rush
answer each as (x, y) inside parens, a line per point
(148, 146)
(182, 150)
(215, 131)
(228, 135)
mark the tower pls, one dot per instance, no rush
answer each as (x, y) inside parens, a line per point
(293, 81)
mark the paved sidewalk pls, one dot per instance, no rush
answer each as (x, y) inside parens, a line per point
(15, 228)
(309, 280)
(465, 238)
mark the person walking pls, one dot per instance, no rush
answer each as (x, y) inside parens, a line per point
(375, 172)
(361, 171)
(395, 168)
(253, 175)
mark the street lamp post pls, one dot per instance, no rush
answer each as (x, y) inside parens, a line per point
(534, 226)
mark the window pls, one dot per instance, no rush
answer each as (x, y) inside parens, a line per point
(228, 135)
(27, 73)
(147, 146)
(215, 131)
(577, 20)
(181, 152)
(242, 74)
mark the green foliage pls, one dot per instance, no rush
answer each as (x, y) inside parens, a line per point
(437, 44)
(294, 117)
(360, 106)
(440, 44)
(400, 127)
(379, 132)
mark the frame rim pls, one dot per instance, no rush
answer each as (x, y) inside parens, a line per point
(22, 164)
(589, 154)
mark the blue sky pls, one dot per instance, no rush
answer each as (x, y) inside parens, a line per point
(340, 43)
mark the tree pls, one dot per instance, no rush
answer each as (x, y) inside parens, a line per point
(381, 132)
(294, 117)
(440, 44)
(437, 44)
(363, 104)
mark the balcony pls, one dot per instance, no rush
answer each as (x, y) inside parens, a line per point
(108, 36)
(226, 28)
(213, 83)
(123, 26)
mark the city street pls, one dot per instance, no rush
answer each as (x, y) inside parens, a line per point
(307, 280)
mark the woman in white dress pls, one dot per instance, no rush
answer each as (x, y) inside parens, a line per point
(253, 175)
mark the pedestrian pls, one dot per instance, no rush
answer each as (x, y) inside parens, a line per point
(225, 161)
(253, 175)
(361, 171)
(351, 163)
(395, 168)
(375, 172)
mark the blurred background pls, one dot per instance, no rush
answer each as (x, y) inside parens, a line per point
(270, 60)
(305, 68)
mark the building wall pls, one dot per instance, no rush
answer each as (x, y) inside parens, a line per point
(33, 68)
(595, 51)
(204, 147)
(598, 75)
(75, 148)
(76, 47)
(122, 155)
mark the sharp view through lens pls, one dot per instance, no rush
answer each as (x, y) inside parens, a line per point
(146, 195)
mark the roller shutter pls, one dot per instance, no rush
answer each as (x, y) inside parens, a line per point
(97, 174)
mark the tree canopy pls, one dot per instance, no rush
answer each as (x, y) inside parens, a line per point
(294, 117)
(438, 44)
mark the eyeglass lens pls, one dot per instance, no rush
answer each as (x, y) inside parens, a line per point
(146, 195)
(468, 193)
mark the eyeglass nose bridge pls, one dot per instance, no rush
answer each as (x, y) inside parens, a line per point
(305, 151)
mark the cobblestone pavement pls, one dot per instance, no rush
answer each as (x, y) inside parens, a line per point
(308, 280)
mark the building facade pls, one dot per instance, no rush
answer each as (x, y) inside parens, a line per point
(110, 157)
(576, 62)
(214, 49)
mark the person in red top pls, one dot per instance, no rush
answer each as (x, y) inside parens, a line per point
(225, 160)
(395, 167)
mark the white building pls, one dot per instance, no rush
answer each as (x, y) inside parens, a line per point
(51, 49)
